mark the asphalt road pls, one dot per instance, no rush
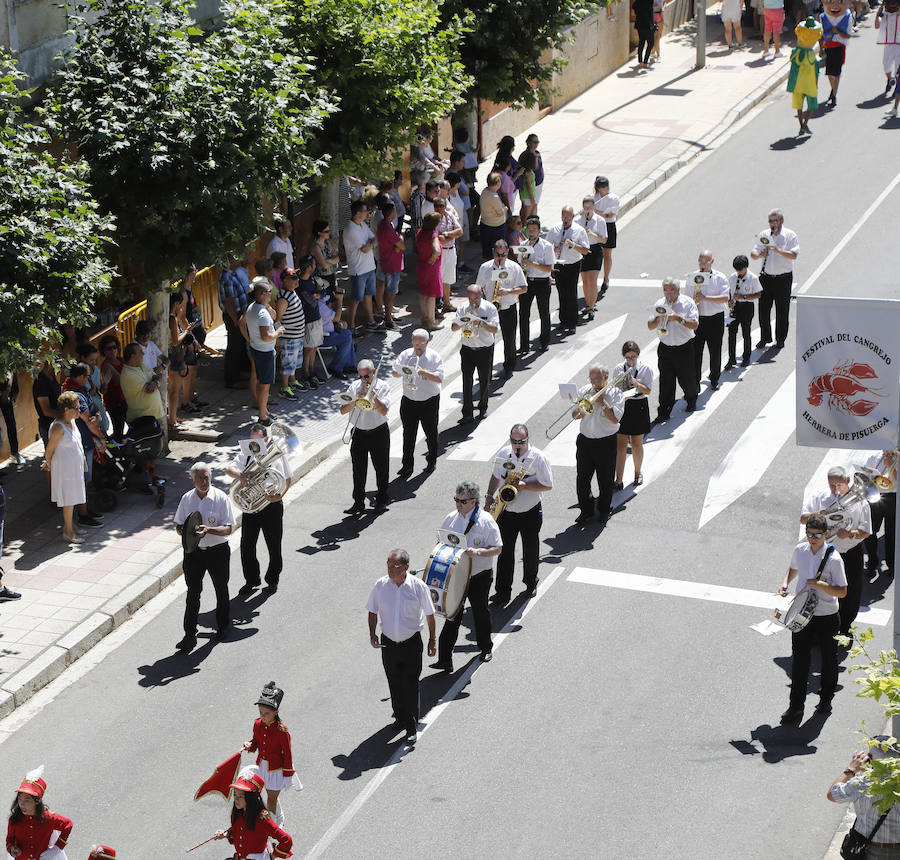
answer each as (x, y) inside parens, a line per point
(612, 722)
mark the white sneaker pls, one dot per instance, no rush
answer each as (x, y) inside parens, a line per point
(778, 53)
(765, 55)
(892, 112)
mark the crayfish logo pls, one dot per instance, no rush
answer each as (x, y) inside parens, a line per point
(844, 389)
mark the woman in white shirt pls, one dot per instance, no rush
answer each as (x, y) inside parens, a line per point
(636, 417)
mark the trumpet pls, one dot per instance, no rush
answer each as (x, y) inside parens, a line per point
(497, 292)
(663, 310)
(410, 374)
(585, 405)
(468, 323)
(364, 403)
(699, 281)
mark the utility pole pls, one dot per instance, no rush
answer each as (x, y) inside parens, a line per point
(701, 33)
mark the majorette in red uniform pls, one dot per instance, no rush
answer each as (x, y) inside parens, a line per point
(253, 844)
(31, 825)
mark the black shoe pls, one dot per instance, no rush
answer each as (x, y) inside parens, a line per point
(638, 480)
(542, 349)
(713, 386)
(90, 522)
(729, 365)
(779, 345)
(603, 288)
(486, 656)
(570, 331)
(745, 362)
(382, 502)
(466, 419)
(618, 485)
(430, 465)
(824, 707)
(405, 472)
(411, 738)
(691, 406)
(583, 518)
(6, 593)
(356, 510)
(762, 344)
(482, 414)
(339, 374)
(661, 418)
(499, 599)
(792, 717)
(223, 633)
(507, 374)
(531, 590)
(441, 667)
(187, 644)
(248, 588)
(521, 352)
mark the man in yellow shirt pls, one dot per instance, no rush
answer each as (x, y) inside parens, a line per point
(140, 387)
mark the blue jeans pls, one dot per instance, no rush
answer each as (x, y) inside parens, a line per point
(344, 356)
(362, 285)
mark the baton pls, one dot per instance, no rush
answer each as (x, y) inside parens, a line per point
(199, 844)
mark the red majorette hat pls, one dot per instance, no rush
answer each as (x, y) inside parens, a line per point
(102, 852)
(33, 784)
(249, 780)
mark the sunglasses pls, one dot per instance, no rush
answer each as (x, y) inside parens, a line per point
(815, 534)
(462, 501)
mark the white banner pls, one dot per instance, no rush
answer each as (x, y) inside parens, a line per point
(848, 372)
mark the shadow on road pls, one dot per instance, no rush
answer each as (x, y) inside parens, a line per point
(781, 742)
(786, 143)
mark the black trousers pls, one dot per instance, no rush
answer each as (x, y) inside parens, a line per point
(9, 418)
(676, 362)
(377, 445)
(215, 561)
(402, 663)
(482, 360)
(526, 525)
(117, 412)
(849, 605)
(509, 324)
(776, 290)
(538, 288)
(709, 333)
(477, 595)
(595, 458)
(236, 358)
(820, 631)
(269, 521)
(645, 45)
(883, 511)
(566, 276)
(743, 318)
(413, 413)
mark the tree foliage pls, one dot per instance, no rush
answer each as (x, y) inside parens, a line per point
(52, 238)
(507, 50)
(186, 133)
(391, 64)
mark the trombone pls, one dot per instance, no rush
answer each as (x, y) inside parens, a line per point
(364, 403)
(585, 405)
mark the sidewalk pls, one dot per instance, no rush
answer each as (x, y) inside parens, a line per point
(638, 129)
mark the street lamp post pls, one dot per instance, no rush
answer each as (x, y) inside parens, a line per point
(701, 33)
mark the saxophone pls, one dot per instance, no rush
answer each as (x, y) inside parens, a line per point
(508, 490)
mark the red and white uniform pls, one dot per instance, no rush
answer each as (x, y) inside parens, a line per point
(272, 745)
(32, 836)
(254, 844)
(889, 36)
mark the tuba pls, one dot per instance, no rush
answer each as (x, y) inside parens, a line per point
(663, 310)
(259, 479)
(863, 490)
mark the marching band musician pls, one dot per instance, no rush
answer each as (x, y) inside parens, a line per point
(371, 438)
(31, 825)
(483, 541)
(778, 247)
(514, 285)
(848, 541)
(592, 262)
(570, 243)
(421, 399)
(883, 511)
(743, 291)
(212, 554)
(269, 521)
(252, 827)
(523, 516)
(810, 559)
(537, 266)
(675, 355)
(712, 298)
(596, 445)
(476, 352)
(635, 421)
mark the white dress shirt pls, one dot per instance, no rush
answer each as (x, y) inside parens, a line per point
(355, 236)
(276, 245)
(596, 223)
(485, 533)
(678, 333)
(859, 516)
(400, 608)
(774, 263)
(539, 473)
(738, 286)
(488, 273)
(429, 360)
(597, 425)
(151, 355)
(643, 373)
(214, 507)
(715, 286)
(373, 418)
(557, 236)
(541, 252)
(487, 312)
(807, 566)
(608, 203)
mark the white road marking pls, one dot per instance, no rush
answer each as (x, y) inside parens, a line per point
(749, 457)
(701, 591)
(653, 283)
(542, 385)
(426, 722)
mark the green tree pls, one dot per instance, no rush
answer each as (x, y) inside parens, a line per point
(52, 238)
(186, 133)
(507, 50)
(392, 65)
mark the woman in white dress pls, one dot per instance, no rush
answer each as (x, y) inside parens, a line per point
(64, 460)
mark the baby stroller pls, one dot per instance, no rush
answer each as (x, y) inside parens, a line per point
(130, 462)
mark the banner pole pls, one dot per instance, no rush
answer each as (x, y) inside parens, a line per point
(895, 720)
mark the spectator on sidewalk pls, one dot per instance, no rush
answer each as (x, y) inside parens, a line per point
(45, 392)
(191, 315)
(459, 200)
(462, 144)
(88, 421)
(493, 216)
(64, 460)
(659, 19)
(732, 11)
(234, 297)
(153, 357)
(88, 354)
(262, 336)
(503, 166)
(281, 241)
(428, 269)
(642, 16)
(607, 205)
(289, 314)
(110, 376)
(390, 252)
(279, 264)
(531, 145)
(9, 390)
(359, 243)
(140, 387)
(528, 195)
(310, 293)
(6, 593)
(773, 15)
(337, 335)
(178, 349)
(327, 260)
(449, 230)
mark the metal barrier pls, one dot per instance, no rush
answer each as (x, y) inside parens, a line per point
(128, 321)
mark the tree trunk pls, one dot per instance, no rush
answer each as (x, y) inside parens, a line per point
(330, 207)
(158, 317)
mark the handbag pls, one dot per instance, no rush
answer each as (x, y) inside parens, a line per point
(856, 846)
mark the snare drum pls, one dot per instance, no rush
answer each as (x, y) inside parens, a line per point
(802, 608)
(447, 578)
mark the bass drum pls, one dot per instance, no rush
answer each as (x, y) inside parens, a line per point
(802, 608)
(447, 577)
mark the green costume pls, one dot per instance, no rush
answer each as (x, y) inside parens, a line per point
(803, 80)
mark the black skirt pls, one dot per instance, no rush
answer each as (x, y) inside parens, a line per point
(636, 417)
(610, 235)
(592, 261)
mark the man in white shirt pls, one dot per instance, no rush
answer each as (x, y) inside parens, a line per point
(537, 265)
(281, 241)
(675, 355)
(778, 248)
(570, 243)
(596, 445)
(422, 372)
(212, 554)
(269, 520)
(402, 602)
(483, 543)
(153, 358)
(359, 244)
(743, 291)
(371, 437)
(847, 539)
(710, 288)
(818, 568)
(608, 206)
(504, 279)
(524, 515)
(479, 322)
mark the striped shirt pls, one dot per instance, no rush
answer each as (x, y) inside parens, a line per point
(293, 320)
(866, 814)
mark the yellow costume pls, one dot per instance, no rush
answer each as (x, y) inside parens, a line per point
(803, 80)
